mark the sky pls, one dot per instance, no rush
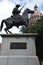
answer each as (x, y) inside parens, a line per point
(6, 7)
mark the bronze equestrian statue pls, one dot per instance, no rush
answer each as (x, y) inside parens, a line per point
(15, 19)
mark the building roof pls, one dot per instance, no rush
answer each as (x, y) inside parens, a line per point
(37, 13)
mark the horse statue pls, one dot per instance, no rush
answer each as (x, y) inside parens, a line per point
(19, 21)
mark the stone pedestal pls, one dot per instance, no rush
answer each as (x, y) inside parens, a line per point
(19, 49)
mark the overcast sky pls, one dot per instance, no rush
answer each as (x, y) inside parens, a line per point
(6, 7)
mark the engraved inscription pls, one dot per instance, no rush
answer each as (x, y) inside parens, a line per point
(20, 45)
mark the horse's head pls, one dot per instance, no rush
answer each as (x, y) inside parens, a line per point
(30, 11)
(26, 12)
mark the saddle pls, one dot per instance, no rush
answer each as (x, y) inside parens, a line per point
(17, 18)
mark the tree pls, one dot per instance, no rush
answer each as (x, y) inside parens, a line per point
(37, 26)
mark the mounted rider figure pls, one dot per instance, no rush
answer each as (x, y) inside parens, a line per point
(16, 13)
(15, 10)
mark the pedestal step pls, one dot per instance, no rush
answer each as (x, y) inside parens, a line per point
(19, 60)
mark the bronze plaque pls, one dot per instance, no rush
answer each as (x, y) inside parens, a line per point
(19, 45)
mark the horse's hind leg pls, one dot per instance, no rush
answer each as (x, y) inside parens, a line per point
(6, 30)
(9, 31)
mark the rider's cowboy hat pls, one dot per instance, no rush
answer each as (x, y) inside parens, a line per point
(18, 5)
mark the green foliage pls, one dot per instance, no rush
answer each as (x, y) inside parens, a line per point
(37, 27)
(24, 30)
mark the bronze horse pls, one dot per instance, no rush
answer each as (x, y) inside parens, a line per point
(10, 22)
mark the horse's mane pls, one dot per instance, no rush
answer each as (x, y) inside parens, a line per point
(25, 11)
(25, 14)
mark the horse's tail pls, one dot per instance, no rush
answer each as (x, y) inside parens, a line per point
(1, 25)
